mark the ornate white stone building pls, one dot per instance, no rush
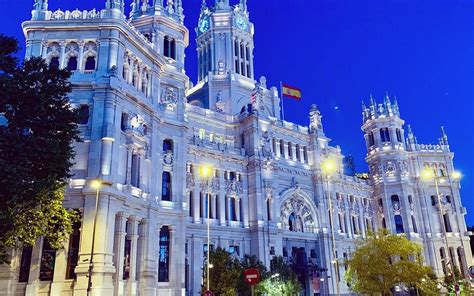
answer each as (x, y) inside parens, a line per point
(147, 130)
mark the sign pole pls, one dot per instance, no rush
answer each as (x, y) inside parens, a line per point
(282, 108)
(252, 290)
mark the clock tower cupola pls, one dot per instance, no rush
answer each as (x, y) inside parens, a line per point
(225, 40)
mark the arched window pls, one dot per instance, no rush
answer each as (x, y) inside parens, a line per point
(371, 139)
(385, 135)
(164, 264)
(54, 62)
(168, 145)
(166, 186)
(292, 222)
(399, 136)
(90, 63)
(399, 224)
(72, 63)
(233, 209)
(169, 47)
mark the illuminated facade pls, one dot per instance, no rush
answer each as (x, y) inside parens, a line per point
(147, 130)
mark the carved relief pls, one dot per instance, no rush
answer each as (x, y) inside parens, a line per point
(169, 98)
(296, 215)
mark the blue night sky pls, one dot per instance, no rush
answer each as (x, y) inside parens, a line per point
(338, 52)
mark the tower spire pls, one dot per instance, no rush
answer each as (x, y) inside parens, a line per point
(243, 5)
(444, 138)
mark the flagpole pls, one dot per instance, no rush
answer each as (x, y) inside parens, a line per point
(282, 108)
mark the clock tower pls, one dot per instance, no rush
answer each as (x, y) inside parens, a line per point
(225, 57)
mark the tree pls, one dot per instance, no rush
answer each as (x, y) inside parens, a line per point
(385, 260)
(37, 128)
(224, 274)
(281, 281)
(250, 261)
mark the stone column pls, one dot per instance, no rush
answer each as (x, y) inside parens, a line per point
(128, 177)
(132, 235)
(44, 49)
(59, 271)
(62, 58)
(119, 246)
(32, 288)
(222, 199)
(245, 200)
(102, 268)
(80, 60)
(197, 199)
(149, 276)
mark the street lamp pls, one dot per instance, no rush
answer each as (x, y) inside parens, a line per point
(95, 184)
(329, 167)
(428, 175)
(205, 172)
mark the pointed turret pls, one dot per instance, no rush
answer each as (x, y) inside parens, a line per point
(444, 138)
(40, 10)
(411, 140)
(243, 5)
(114, 8)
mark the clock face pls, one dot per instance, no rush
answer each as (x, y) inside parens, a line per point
(241, 23)
(204, 25)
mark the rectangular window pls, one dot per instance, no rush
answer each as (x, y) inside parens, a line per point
(163, 266)
(298, 156)
(126, 258)
(290, 150)
(282, 148)
(48, 259)
(84, 114)
(25, 264)
(305, 154)
(135, 172)
(73, 252)
(166, 186)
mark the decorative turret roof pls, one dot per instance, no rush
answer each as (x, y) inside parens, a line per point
(387, 109)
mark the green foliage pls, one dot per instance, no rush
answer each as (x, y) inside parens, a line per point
(283, 280)
(37, 128)
(225, 273)
(227, 277)
(383, 261)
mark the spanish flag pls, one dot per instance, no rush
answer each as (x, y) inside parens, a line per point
(291, 92)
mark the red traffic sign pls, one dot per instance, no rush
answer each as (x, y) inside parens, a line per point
(208, 293)
(251, 276)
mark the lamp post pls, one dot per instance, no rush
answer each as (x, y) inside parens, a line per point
(329, 167)
(430, 175)
(205, 173)
(96, 184)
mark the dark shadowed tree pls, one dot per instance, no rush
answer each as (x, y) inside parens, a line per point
(37, 128)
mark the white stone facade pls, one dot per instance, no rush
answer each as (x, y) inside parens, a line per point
(147, 130)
